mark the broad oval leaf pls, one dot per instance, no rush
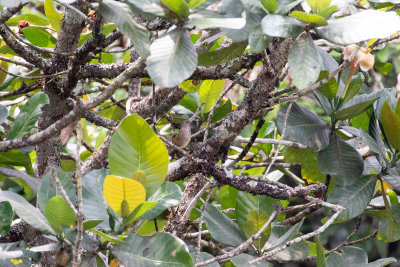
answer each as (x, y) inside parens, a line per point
(222, 228)
(58, 212)
(355, 106)
(123, 194)
(28, 116)
(161, 250)
(354, 198)
(304, 62)
(341, 161)
(135, 146)
(209, 92)
(304, 126)
(40, 37)
(27, 212)
(122, 16)
(281, 26)
(391, 125)
(359, 27)
(173, 58)
(32, 18)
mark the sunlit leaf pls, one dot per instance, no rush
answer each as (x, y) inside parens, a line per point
(58, 212)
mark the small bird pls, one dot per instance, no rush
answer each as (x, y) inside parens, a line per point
(182, 139)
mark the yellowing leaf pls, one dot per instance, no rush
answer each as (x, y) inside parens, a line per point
(254, 223)
(123, 194)
(53, 15)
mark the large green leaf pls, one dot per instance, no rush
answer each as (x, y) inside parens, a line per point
(14, 157)
(58, 212)
(173, 58)
(341, 161)
(53, 15)
(246, 202)
(169, 195)
(6, 217)
(222, 228)
(304, 62)
(32, 18)
(28, 116)
(161, 250)
(209, 92)
(122, 16)
(303, 126)
(354, 257)
(281, 26)
(27, 212)
(134, 147)
(391, 125)
(222, 55)
(48, 188)
(180, 7)
(355, 106)
(210, 20)
(361, 26)
(40, 37)
(354, 198)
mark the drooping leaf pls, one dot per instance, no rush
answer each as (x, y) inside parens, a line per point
(180, 7)
(281, 26)
(254, 223)
(222, 228)
(355, 106)
(28, 116)
(222, 55)
(27, 212)
(121, 15)
(361, 26)
(135, 146)
(303, 126)
(354, 198)
(173, 58)
(391, 125)
(53, 15)
(210, 20)
(161, 249)
(309, 18)
(58, 212)
(123, 194)
(40, 37)
(6, 217)
(304, 62)
(209, 92)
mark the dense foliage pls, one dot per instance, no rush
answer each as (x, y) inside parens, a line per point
(199, 133)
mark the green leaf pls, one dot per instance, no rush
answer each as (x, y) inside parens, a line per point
(161, 249)
(169, 195)
(28, 116)
(355, 106)
(94, 204)
(321, 261)
(33, 182)
(108, 237)
(391, 125)
(32, 18)
(222, 55)
(354, 87)
(209, 92)
(3, 113)
(281, 26)
(329, 90)
(190, 86)
(210, 20)
(304, 126)
(121, 15)
(309, 18)
(354, 198)
(246, 202)
(341, 161)
(146, 8)
(134, 147)
(258, 41)
(58, 212)
(40, 37)
(304, 62)
(280, 235)
(48, 188)
(382, 262)
(90, 224)
(327, 12)
(254, 223)
(14, 157)
(53, 15)
(270, 5)
(361, 26)
(383, 68)
(222, 228)
(6, 217)
(138, 212)
(27, 212)
(388, 230)
(180, 7)
(173, 58)
(318, 5)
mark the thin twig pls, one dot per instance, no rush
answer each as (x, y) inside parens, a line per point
(270, 141)
(265, 164)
